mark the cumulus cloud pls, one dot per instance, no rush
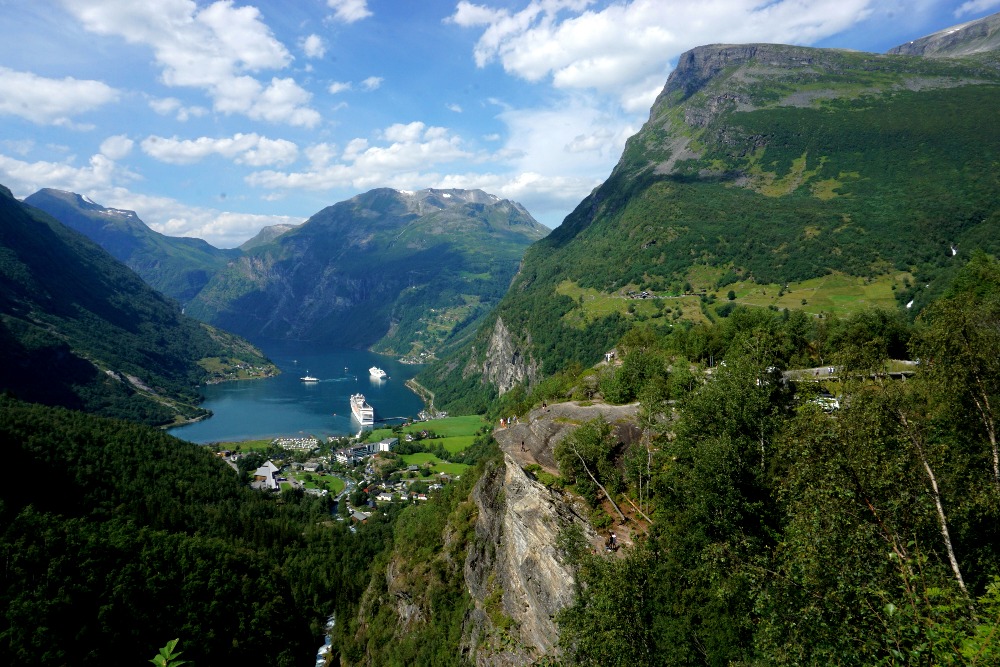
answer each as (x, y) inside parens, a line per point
(25, 178)
(401, 154)
(166, 106)
(116, 147)
(47, 101)
(313, 46)
(457, 108)
(250, 149)
(372, 83)
(216, 49)
(577, 48)
(349, 11)
(339, 87)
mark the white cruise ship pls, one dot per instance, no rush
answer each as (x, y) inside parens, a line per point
(376, 372)
(362, 411)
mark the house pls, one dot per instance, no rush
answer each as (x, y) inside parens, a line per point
(359, 517)
(265, 476)
(387, 445)
(384, 497)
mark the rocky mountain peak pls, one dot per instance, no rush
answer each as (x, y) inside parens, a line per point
(963, 39)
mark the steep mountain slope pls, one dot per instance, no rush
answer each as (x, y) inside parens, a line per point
(178, 267)
(407, 272)
(81, 330)
(976, 36)
(761, 165)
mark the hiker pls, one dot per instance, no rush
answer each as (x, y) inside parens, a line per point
(522, 445)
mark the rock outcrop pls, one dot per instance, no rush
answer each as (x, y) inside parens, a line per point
(506, 362)
(515, 571)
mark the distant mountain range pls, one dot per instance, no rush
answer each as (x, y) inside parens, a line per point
(79, 329)
(767, 170)
(407, 273)
(179, 267)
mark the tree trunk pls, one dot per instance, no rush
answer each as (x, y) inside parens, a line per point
(915, 438)
(599, 485)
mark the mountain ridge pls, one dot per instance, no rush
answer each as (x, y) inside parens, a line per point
(383, 262)
(760, 167)
(177, 266)
(82, 330)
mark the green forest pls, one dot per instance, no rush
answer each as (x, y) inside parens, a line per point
(776, 530)
(118, 538)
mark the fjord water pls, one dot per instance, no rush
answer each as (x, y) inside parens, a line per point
(286, 406)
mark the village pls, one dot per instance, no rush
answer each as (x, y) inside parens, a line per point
(358, 474)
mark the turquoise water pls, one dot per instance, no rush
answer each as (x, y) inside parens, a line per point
(286, 406)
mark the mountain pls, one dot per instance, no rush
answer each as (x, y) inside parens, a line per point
(266, 235)
(977, 36)
(408, 273)
(81, 330)
(178, 267)
(791, 177)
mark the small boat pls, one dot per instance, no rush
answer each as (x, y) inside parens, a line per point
(308, 378)
(376, 372)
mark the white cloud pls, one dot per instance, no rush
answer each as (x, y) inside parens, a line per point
(976, 6)
(372, 83)
(250, 149)
(50, 101)
(402, 155)
(25, 178)
(171, 105)
(215, 49)
(116, 147)
(223, 229)
(454, 107)
(18, 146)
(313, 46)
(624, 48)
(339, 87)
(349, 11)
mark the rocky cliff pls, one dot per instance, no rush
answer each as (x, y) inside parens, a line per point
(515, 570)
(506, 363)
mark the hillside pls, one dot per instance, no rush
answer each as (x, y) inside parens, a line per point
(178, 267)
(408, 273)
(135, 538)
(81, 330)
(764, 172)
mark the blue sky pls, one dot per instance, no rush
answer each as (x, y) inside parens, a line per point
(214, 119)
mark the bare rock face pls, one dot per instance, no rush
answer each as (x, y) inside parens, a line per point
(515, 571)
(507, 363)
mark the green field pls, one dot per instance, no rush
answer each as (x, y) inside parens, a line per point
(833, 293)
(246, 445)
(437, 465)
(313, 481)
(456, 429)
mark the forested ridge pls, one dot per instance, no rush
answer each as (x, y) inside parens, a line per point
(118, 538)
(77, 326)
(779, 530)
